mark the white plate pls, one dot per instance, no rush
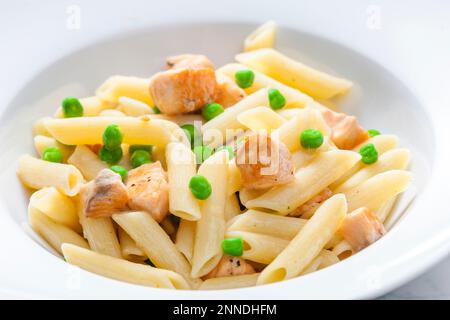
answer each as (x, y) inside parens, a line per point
(388, 50)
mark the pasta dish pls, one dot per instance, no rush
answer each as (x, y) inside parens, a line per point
(202, 178)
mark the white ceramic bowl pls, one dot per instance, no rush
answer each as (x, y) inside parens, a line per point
(65, 62)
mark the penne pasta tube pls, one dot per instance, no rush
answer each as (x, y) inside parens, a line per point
(376, 191)
(328, 259)
(39, 128)
(180, 119)
(37, 174)
(130, 251)
(155, 243)
(112, 113)
(245, 195)
(92, 106)
(56, 206)
(315, 83)
(290, 131)
(386, 209)
(313, 266)
(234, 178)
(181, 167)
(99, 232)
(307, 244)
(390, 160)
(210, 229)
(133, 107)
(122, 270)
(43, 142)
(309, 181)
(232, 208)
(343, 250)
(261, 118)
(231, 282)
(294, 98)
(382, 143)
(121, 86)
(259, 247)
(184, 240)
(54, 233)
(87, 162)
(262, 37)
(268, 224)
(89, 130)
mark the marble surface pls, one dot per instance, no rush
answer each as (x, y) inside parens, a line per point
(433, 284)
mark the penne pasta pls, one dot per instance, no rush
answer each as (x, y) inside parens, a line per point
(315, 83)
(184, 240)
(232, 208)
(290, 131)
(130, 251)
(39, 128)
(376, 191)
(155, 243)
(122, 270)
(210, 229)
(112, 113)
(37, 174)
(142, 130)
(231, 282)
(99, 232)
(121, 86)
(87, 162)
(43, 142)
(262, 37)
(307, 244)
(181, 167)
(259, 248)
(390, 160)
(133, 107)
(261, 118)
(92, 106)
(54, 233)
(309, 181)
(382, 143)
(268, 224)
(56, 206)
(294, 98)
(234, 183)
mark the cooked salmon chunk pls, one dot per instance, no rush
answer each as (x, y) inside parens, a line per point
(307, 209)
(346, 133)
(228, 92)
(188, 86)
(361, 228)
(148, 190)
(230, 266)
(189, 61)
(264, 162)
(105, 195)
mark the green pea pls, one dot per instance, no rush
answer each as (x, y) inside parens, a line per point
(140, 157)
(233, 246)
(229, 149)
(276, 99)
(244, 78)
(145, 147)
(72, 107)
(202, 153)
(191, 132)
(211, 110)
(311, 139)
(52, 154)
(369, 153)
(156, 110)
(120, 170)
(373, 132)
(110, 156)
(112, 137)
(200, 187)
